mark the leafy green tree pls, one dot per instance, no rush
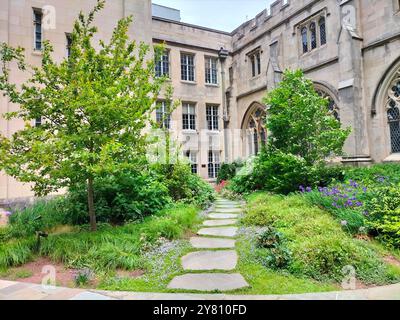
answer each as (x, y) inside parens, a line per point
(299, 121)
(94, 107)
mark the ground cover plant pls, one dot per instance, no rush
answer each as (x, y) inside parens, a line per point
(111, 248)
(315, 245)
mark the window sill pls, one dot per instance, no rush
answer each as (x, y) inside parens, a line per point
(189, 131)
(394, 157)
(215, 132)
(309, 53)
(212, 85)
(255, 77)
(37, 52)
(189, 82)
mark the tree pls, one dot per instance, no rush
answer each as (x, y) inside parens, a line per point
(300, 122)
(94, 106)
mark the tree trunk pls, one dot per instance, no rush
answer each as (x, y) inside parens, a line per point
(92, 213)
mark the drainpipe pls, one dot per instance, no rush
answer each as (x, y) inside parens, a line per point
(223, 54)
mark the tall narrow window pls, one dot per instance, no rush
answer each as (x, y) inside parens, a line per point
(253, 66)
(187, 67)
(163, 117)
(255, 61)
(189, 116)
(313, 35)
(212, 117)
(37, 23)
(211, 70)
(304, 39)
(162, 65)
(258, 59)
(393, 114)
(192, 156)
(69, 44)
(213, 164)
(322, 31)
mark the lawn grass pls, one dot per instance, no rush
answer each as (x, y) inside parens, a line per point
(319, 248)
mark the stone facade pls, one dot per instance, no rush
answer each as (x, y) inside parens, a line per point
(349, 48)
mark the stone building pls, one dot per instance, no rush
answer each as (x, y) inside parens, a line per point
(349, 48)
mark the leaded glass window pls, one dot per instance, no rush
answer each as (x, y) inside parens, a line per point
(322, 31)
(304, 39)
(313, 35)
(393, 114)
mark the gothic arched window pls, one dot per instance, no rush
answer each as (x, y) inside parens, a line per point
(393, 114)
(332, 106)
(304, 39)
(313, 34)
(254, 127)
(322, 31)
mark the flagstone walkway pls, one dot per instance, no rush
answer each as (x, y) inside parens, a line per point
(215, 243)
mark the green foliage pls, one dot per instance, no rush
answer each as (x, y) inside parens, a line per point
(16, 252)
(184, 186)
(384, 214)
(125, 196)
(283, 173)
(41, 216)
(319, 248)
(228, 170)
(374, 175)
(299, 120)
(94, 105)
(108, 249)
(83, 277)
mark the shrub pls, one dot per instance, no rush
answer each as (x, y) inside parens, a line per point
(228, 170)
(126, 196)
(185, 186)
(283, 173)
(274, 253)
(384, 214)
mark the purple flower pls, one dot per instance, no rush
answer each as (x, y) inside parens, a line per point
(7, 213)
(366, 213)
(359, 204)
(302, 189)
(308, 189)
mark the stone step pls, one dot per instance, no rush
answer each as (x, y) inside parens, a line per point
(210, 260)
(228, 210)
(221, 222)
(212, 243)
(209, 282)
(218, 232)
(223, 216)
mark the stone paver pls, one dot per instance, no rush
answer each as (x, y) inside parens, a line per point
(228, 210)
(221, 222)
(210, 260)
(209, 282)
(87, 295)
(212, 243)
(223, 216)
(218, 232)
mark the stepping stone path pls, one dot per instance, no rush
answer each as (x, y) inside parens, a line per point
(216, 252)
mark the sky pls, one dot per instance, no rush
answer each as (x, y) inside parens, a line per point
(225, 15)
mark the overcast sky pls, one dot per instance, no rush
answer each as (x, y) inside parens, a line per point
(223, 15)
